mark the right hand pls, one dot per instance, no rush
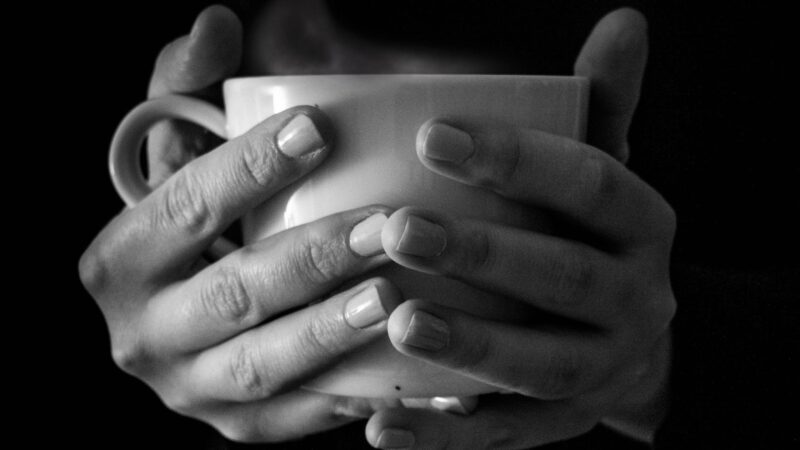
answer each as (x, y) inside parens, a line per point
(227, 342)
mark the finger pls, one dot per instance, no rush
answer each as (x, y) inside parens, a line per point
(553, 274)
(283, 353)
(502, 421)
(171, 228)
(575, 180)
(284, 271)
(290, 416)
(614, 58)
(194, 64)
(543, 362)
(209, 54)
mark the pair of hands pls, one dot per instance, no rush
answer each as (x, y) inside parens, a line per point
(224, 341)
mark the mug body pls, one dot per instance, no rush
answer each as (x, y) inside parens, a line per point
(374, 161)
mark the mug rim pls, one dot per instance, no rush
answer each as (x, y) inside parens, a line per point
(406, 76)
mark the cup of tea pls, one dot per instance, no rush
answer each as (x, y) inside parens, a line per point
(376, 119)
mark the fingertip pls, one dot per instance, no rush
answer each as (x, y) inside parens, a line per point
(389, 428)
(627, 28)
(301, 133)
(443, 145)
(416, 238)
(422, 135)
(398, 323)
(617, 37)
(321, 121)
(412, 428)
(390, 295)
(419, 328)
(614, 58)
(393, 230)
(374, 426)
(214, 46)
(629, 18)
(216, 19)
(210, 53)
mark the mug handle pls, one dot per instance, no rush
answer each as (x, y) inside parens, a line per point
(124, 155)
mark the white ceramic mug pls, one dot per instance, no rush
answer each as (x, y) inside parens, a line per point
(376, 118)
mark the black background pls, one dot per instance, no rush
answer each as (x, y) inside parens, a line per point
(715, 134)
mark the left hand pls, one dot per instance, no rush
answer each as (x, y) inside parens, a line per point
(609, 282)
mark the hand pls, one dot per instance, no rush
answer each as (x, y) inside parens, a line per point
(606, 283)
(227, 342)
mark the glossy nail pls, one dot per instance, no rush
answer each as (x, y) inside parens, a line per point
(456, 405)
(365, 239)
(426, 331)
(395, 438)
(299, 137)
(365, 309)
(446, 143)
(422, 237)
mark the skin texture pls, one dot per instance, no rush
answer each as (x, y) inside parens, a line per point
(213, 338)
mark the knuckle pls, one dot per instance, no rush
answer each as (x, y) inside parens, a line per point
(499, 168)
(596, 182)
(647, 309)
(478, 256)
(669, 310)
(466, 357)
(319, 338)
(259, 161)
(225, 296)
(183, 205)
(131, 357)
(179, 402)
(94, 269)
(582, 420)
(668, 220)
(169, 54)
(510, 163)
(246, 374)
(662, 310)
(572, 276)
(239, 431)
(321, 258)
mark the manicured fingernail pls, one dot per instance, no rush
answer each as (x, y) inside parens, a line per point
(422, 238)
(365, 239)
(365, 309)
(457, 405)
(299, 137)
(426, 331)
(395, 438)
(446, 143)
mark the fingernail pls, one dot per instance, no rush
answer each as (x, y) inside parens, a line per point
(456, 405)
(426, 331)
(365, 239)
(299, 137)
(365, 309)
(395, 438)
(446, 143)
(422, 238)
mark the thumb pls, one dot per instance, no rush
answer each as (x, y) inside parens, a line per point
(192, 64)
(614, 58)
(209, 54)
